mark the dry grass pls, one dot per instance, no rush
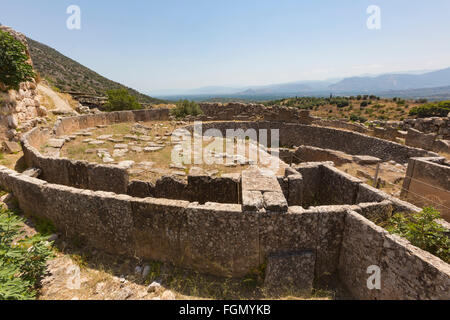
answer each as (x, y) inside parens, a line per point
(98, 268)
(162, 159)
(46, 101)
(383, 109)
(71, 101)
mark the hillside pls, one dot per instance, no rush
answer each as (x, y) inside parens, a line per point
(439, 78)
(356, 108)
(68, 75)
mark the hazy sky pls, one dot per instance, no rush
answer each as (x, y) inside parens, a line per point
(179, 44)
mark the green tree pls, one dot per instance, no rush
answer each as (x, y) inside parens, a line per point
(439, 109)
(185, 107)
(14, 66)
(121, 99)
(422, 230)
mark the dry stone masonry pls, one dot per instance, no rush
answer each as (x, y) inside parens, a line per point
(310, 225)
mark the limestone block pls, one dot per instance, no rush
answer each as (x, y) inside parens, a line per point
(275, 202)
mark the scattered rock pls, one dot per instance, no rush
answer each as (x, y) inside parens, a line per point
(56, 143)
(97, 142)
(154, 287)
(11, 147)
(126, 164)
(32, 172)
(107, 159)
(105, 137)
(118, 153)
(152, 149)
(168, 295)
(136, 149)
(366, 160)
(123, 294)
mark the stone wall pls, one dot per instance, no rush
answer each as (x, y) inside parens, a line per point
(339, 124)
(221, 239)
(197, 188)
(436, 125)
(18, 107)
(407, 272)
(427, 183)
(352, 143)
(243, 112)
(427, 141)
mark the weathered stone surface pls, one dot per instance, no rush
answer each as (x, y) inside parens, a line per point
(255, 180)
(366, 160)
(55, 143)
(11, 147)
(275, 202)
(252, 200)
(290, 272)
(32, 172)
(417, 139)
(295, 192)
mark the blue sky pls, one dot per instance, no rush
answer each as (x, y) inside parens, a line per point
(179, 44)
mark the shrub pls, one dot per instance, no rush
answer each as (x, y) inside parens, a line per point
(185, 107)
(121, 99)
(422, 230)
(357, 118)
(22, 259)
(439, 109)
(364, 104)
(14, 66)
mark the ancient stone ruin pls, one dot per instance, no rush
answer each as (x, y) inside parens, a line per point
(310, 223)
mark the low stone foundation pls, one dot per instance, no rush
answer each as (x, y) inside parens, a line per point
(222, 239)
(428, 180)
(197, 188)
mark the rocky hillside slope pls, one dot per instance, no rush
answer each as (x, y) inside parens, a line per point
(69, 75)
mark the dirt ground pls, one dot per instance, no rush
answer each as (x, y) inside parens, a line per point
(390, 176)
(150, 166)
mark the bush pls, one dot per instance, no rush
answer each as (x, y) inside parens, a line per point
(14, 66)
(422, 230)
(440, 109)
(22, 259)
(364, 104)
(121, 99)
(357, 118)
(185, 107)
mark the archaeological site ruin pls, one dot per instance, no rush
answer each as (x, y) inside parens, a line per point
(308, 222)
(302, 201)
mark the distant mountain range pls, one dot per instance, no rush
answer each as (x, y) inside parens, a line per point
(433, 84)
(69, 75)
(387, 82)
